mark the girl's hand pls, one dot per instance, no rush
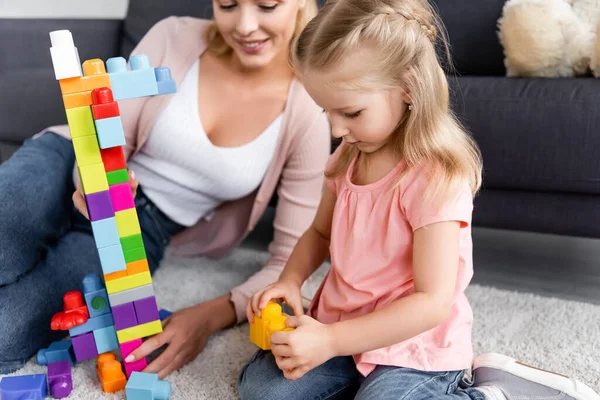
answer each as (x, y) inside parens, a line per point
(79, 198)
(308, 346)
(282, 289)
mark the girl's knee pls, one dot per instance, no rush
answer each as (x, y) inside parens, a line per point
(261, 379)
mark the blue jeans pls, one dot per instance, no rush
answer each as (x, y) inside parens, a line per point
(46, 245)
(339, 379)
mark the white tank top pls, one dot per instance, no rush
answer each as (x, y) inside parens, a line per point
(184, 174)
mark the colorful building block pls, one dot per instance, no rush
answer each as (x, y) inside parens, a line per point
(146, 386)
(135, 254)
(121, 196)
(164, 314)
(139, 331)
(57, 351)
(140, 81)
(164, 82)
(124, 316)
(105, 232)
(110, 132)
(84, 346)
(271, 320)
(30, 387)
(128, 282)
(127, 222)
(80, 99)
(146, 310)
(93, 178)
(103, 104)
(80, 122)
(131, 295)
(94, 76)
(113, 159)
(87, 151)
(74, 312)
(100, 206)
(132, 242)
(112, 259)
(106, 339)
(95, 294)
(101, 321)
(64, 54)
(116, 177)
(126, 349)
(110, 374)
(60, 380)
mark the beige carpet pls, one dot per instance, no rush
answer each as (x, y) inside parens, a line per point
(554, 334)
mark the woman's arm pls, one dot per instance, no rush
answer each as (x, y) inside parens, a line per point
(435, 264)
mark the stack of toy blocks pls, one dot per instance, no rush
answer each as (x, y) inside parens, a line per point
(97, 134)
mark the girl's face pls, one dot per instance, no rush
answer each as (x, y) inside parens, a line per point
(259, 31)
(363, 118)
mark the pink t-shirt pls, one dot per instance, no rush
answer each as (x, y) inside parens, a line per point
(371, 266)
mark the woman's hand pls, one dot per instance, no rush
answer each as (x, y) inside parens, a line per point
(79, 198)
(186, 333)
(283, 289)
(306, 347)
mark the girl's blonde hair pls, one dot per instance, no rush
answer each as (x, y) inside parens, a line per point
(404, 34)
(218, 46)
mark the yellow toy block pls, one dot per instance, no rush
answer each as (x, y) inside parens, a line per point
(93, 178)
(128, 282)
(81, 122)
(127, 223)
(95, 76)
(87, 150)
(272, 320)
(139, 331)
(79, 99)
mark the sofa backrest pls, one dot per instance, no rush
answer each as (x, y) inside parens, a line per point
(472, 30)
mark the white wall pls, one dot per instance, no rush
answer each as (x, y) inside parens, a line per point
(103, 9)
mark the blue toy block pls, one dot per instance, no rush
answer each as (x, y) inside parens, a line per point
(57, 351)
(92, 324)
(140, 81)
(95, 295)
(30, 387)
(106, 339)
(163, 314)
(112, 259)
(146, 386)
(110, 132)
(105, 232)
(164, 82)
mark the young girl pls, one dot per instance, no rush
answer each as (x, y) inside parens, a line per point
(390, 320)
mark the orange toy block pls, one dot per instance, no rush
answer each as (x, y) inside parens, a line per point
(110, 374)
(80, 99)
(95, 76)
(272, 320)
(133, 268)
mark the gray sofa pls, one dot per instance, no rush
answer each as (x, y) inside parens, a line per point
(539, 137)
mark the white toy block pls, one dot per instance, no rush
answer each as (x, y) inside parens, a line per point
(65, 57)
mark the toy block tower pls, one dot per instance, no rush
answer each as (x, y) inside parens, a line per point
(126, 308)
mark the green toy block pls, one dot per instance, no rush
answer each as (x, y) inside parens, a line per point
(134, 254)
(132, 242)
(116, 177)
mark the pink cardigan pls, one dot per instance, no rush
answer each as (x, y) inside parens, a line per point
(296, 170)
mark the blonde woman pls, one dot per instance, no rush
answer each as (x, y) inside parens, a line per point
(391, 319)
(208, 160)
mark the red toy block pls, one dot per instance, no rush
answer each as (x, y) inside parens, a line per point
(74, 312)
(113, 159)
(104, 105)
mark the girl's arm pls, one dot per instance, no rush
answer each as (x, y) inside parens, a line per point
(435, 264)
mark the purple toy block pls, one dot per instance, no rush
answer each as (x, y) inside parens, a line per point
(60, 380)
(84, 346)
(124, 316)
(99, 205)
(146, 310)
(31, 387)
(121, 196)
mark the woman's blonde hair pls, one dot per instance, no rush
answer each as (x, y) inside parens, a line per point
(404, 34)
(219, 46)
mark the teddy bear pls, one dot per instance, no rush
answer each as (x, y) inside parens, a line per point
(550, 38)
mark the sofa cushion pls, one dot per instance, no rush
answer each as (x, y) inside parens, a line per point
(534, 134)
(472, 29)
